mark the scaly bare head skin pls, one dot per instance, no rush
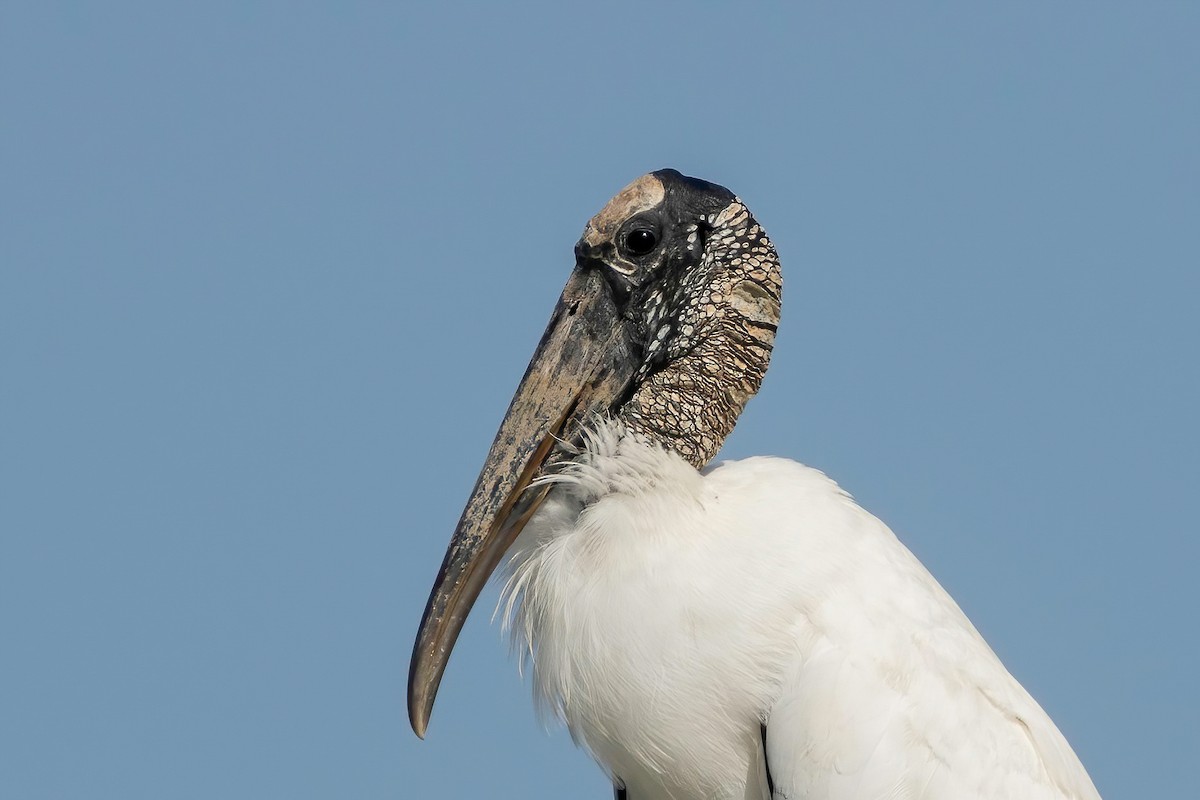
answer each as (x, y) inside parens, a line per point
(703, 305)
(644, 194)
(666, 324)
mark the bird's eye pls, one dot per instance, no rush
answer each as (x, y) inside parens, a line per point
(640, 241)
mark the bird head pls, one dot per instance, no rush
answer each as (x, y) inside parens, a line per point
(666, 324)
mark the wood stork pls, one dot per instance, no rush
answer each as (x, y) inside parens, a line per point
(737, 631)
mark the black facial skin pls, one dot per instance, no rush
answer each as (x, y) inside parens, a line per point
(653, 252)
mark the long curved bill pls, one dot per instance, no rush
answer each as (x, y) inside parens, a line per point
(582, 366)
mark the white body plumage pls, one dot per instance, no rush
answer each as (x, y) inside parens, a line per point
(669, 615)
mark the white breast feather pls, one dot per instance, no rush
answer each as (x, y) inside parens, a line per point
(666, 614)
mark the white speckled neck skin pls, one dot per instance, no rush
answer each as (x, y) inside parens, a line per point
(724, 319)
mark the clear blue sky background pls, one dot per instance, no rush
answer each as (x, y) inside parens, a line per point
(270, 273)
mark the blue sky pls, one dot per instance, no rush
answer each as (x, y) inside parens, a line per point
(271, 272)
